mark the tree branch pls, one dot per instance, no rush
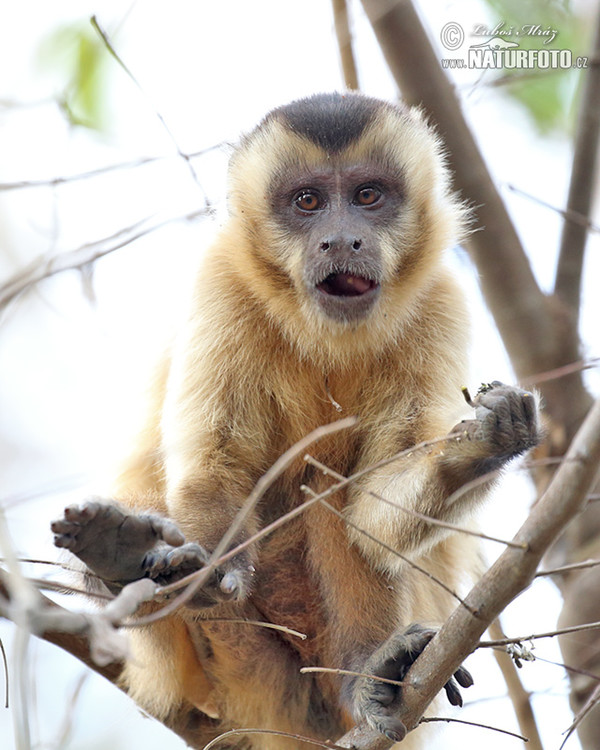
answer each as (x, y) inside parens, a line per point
(44, 268)
(344, 40)
(509, 576)
(508, 283)
(519, 697)
(583, 184)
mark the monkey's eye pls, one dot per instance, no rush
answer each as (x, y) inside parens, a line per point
(308, 200)
(368, 195)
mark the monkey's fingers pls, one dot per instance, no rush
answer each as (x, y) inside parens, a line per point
(173, 563)
(453, 693)
(166, 530)
(378, 718)
(464, 679)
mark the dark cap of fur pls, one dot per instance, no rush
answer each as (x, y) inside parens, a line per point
(331, 121)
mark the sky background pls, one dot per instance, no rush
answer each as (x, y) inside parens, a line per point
(73, 363)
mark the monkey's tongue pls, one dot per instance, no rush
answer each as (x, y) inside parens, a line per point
(345, 285)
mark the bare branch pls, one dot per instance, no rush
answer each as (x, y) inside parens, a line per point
(271, 732)
(258, 624)
(568, 568)
(42, 268)
(196, 580)
(566, 213)
(519, 697)
(409, 511)
(387, 547)
(592, 701)
(583, 184)
(109, 46)
(55, 182)
(266, 530)
(452, 720)
(344, 40)
(510, 289)
(509, 575)
(329, 670)
(561, 372)
(5, 668)
(536, 636)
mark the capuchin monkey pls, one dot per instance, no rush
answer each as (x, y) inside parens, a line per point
(324, 292)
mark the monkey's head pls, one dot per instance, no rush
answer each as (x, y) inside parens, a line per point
(345, 205)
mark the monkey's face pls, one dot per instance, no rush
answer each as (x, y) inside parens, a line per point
(338, 215)
(344, 203)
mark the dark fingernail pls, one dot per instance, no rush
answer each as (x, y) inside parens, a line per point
(464, 677)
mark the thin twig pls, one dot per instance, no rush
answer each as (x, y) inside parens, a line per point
(259, 624)
(6, 678)
(82, 256)
(290, 515)
(185, 157)
(591, 702)
(54, 182)
(387, 547)
(428, 719)
(197, 579)
(536, 636)
(274, 733)
(568, 568)
(409, 511)
(520, 698)
(566, 213)
(329, 670)
(561, 372)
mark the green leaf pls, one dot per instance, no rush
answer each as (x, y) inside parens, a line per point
(78, 58)
(547, 95)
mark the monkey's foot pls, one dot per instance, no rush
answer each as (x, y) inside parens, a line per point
(376, 701)
(112, 542)
(119, 547)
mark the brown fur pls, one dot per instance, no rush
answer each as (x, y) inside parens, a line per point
(250, 376)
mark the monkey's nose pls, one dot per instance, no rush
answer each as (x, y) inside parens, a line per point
(341, 243)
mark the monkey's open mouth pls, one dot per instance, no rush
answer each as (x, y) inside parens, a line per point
(346, 285)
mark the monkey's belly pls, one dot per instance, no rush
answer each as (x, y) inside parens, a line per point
(287, 594)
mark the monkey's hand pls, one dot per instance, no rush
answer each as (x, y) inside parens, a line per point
(229, 582)
(376, 701)
(119, 547)
(506, 421)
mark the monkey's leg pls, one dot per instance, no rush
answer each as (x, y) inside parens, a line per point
(375, 701)
(121, 547)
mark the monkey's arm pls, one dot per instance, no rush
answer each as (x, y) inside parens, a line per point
(505, 425)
